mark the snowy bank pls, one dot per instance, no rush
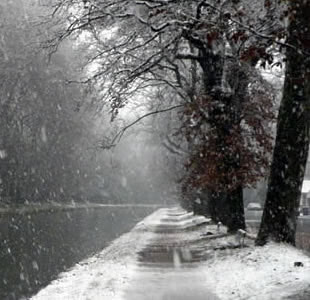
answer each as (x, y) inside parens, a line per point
(259, 273)
(116, 273)
(101, 276)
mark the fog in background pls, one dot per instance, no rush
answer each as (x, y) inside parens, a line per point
(53, 125)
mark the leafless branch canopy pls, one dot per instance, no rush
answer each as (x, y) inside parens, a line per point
(138, 45)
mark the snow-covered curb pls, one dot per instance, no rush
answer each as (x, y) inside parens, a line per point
(104, 275)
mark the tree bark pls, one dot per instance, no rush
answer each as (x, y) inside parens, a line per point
(218, 207)
(228, 209)
(226, 204)
(292, 141)
(236, 219)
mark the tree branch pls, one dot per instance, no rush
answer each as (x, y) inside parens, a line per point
(189, 56)
(119, 135)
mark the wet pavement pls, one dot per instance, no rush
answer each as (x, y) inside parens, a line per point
(169, 266)
(172, 254)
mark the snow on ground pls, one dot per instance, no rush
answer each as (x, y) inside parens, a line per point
(101, 276)
(260, 273)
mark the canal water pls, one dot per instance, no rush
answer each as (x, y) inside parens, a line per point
(36, 245)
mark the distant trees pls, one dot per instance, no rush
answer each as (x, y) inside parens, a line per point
(44, 141)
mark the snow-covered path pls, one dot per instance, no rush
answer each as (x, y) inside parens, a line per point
(174, 255)
(168, 265)
(153, 261)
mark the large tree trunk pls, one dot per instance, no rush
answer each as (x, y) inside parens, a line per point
(219, 211)
(226, 203)
(236, 219)
(228, 209)
(292, 141)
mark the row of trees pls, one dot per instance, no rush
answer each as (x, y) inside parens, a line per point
(51, 128)
(39, 128)
(205, 54)
(46, 137)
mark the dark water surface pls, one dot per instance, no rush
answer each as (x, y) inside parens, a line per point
(35, 246)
